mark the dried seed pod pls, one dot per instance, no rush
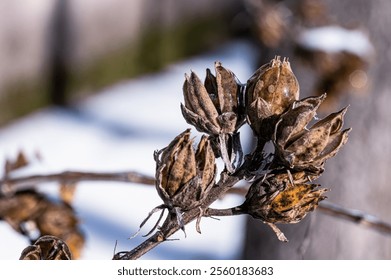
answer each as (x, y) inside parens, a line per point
(300, 148)
(270, 91)
(47, 247)
(23, 206)
(48, 218)
(213, 106)
(184, 176)
(288, 203)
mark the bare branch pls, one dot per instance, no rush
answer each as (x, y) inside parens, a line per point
(11, 185)
(170, 226)
(355, 216)
(234, 211)
(334, 210)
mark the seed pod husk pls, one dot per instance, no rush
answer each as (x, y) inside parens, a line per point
(47, 247)
(269, 92)
(183, 175)
(300, 148)
(287, 203)
(213, 106)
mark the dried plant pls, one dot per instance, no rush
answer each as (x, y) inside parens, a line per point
(47, 247)
(34, 214)
(281, 182)
(281, 190)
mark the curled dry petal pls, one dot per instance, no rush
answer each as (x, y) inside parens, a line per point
(296, 119)
(199, 110)
(206, 166)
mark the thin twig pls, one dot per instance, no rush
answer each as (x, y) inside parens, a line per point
(234, 211)
(355, 216)
(11, 185)
(337, 211)
(170, 226)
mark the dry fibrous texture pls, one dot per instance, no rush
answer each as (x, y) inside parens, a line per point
(47, 247)
(282, 190)
(282, 187)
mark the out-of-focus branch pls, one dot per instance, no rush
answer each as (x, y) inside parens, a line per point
(11, 185)
(340, 212)
(355, 216)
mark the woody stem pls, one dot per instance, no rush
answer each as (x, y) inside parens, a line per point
(170, 226)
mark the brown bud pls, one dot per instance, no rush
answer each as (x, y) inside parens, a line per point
(184, 176)
(212, 106)
(300, 148)
(47, 247)
(288, 203)
(270, 91)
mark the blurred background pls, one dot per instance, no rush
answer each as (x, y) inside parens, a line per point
(96, 86)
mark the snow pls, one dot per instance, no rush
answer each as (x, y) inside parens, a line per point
(118, 129)
(336, 39)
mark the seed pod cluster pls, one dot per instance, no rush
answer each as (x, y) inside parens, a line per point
(34, 214)
(282, 190)
(46, 216)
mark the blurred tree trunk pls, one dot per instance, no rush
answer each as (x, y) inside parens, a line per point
(358, 177)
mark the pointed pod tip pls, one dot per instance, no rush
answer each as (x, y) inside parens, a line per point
(347, 130)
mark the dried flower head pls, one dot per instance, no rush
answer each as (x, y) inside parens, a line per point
(185, 175)
(47, 248)
(300, 148)
(280, 200)
(212, 107)
(290, 205)
(269, 92)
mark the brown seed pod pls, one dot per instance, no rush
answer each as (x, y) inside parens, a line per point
(300, 148)
(213, 106)
(270, 91)
(184, 175)
(286, 203)
(47, 217)
(47, 247)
